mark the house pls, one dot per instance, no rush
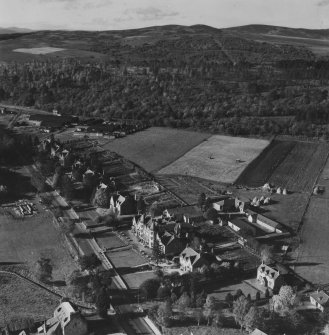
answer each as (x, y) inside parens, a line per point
(66, 321)
(144, 228)
(224, 205)
(320, 300)
(169, 243)
(191, 260)
(269, 277)
(264, 222)
(242, 204)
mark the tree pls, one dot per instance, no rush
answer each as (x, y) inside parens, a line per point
(89, 262)
(198, 315)
(163, 292)
(284, 301)
(156, 251)
(103, 302)
(200, 299)
(101, 198)
(266, 253)
(257, 297)
(229, 298)
(67, 187)
(44, 269)
(149, 288)
(240, 310)
(211, 214)
(184, 302)
(209, 308)
(219, 319)
(141, 205)
(250, 319)
(201, 200)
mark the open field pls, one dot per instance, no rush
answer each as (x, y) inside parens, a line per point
(301, 167)
(221, 293)
(312, 262)
(220, 158)
(259, 171)
(289, 164)
(38, 51)
(156, 147)
(19, 299)
(27, 240)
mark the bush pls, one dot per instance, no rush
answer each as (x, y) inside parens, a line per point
(89, 262)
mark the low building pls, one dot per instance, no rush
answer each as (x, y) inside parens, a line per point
(66, 321)
(269, 277)
(265, 223)
(258, 332)
(320, 299)
(224, 205)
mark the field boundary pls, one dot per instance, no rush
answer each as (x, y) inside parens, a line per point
(180, 156)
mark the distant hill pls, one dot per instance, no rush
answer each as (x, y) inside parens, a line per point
(14, 30)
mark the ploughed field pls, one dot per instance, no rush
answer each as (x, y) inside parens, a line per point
(288, 164)
(312, 261)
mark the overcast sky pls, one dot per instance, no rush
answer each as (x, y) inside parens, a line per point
(123, 14)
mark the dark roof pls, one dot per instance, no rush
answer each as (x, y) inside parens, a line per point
(245, 226)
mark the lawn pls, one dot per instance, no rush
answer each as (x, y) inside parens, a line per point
(156, 147)
(30, 239)
(134, 280)
(220, 294)
(109, 241)
(19, 299)
(126, 259)
(220, 158)
(312, 261)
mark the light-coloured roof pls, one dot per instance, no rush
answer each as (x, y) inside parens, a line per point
(269, 271)
(321, 297)
(258, 332)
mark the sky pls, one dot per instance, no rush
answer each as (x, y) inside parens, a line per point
(127, 14)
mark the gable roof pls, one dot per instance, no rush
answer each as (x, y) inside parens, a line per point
(269, 271)
(321, 297)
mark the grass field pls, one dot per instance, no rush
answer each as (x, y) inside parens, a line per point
(126, 259)
(29, 239)
(109, 241)
(19, 299)
(156, 147)
(134, 280)
(312, 262)
(220, 158)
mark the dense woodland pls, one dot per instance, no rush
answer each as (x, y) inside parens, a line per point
(217, 82)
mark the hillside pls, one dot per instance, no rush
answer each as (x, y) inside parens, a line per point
(251, 80)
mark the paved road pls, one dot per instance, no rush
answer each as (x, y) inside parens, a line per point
(131, 326)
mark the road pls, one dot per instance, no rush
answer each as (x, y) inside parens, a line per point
(132, 326)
